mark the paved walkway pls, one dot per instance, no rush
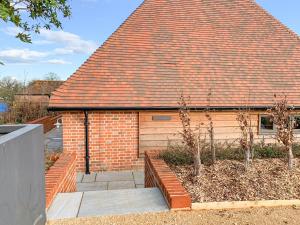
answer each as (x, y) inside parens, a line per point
(53, 140)
(110, 181)
(110, 202)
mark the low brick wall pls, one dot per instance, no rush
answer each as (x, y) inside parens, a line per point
(158, 174)
(47, 121)
(61, 177)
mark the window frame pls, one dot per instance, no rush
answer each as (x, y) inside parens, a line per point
(265, 131)
(273, 131)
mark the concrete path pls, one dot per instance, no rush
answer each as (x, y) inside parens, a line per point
(53, 140)
(110, 180)
(111, 202)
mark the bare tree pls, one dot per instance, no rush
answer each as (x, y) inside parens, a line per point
(210, 129)
(246, 140)
(281, 115)
(189, 136)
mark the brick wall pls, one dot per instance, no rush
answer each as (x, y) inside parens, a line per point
(47, 121)
(113, 139)
(61, 177)
(158, 174)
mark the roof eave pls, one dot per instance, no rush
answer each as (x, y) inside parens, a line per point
(152, 108)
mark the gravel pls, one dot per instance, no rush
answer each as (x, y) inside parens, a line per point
(259, 216)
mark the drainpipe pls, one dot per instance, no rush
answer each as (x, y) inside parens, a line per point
(87, 153)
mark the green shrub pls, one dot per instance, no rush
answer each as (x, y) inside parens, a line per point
(176, 154)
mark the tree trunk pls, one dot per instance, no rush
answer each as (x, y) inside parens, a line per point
(197, 161)
(290, 157)
(247, 158)
(251, 141)
(212, 145)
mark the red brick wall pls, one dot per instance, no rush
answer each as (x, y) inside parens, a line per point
(61, 177)
(113, 139)
(47, 121)
(158, 174)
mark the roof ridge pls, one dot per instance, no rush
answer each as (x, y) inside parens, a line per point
(256, 5)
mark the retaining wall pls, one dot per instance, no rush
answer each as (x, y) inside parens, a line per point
(61, 177)
(158, 174)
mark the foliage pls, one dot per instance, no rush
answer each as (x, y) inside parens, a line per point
(32, 15)
(177, 154)
(23, 112)
(281, 115)
(9, 88)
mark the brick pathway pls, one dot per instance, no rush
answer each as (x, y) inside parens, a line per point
(110, 180)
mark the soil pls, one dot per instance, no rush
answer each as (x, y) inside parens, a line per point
(50, 159)
(259, 216)
(227, 180)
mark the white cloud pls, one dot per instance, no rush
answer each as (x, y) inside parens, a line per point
(65, 43)
(73, 44)
(57, 61)
(12, 31)
(21, 55)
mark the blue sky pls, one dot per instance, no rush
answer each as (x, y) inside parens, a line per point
(92, 22)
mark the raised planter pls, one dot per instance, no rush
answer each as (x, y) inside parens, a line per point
(61, 177)
(22, 188)
(158, 174)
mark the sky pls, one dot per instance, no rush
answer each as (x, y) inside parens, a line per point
(92, 22)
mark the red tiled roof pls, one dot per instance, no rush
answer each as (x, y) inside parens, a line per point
(232, 47)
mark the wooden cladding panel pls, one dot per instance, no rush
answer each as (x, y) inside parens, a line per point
(155, 135)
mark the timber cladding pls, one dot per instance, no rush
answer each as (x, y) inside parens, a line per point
(158, 129)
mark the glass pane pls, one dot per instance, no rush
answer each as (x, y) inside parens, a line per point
(266, 123)
(297, 122)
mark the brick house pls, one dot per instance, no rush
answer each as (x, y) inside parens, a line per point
(123, 99)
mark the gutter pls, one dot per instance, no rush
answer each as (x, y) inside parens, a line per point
(87, 151)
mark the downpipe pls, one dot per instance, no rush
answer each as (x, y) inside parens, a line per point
(87, 151)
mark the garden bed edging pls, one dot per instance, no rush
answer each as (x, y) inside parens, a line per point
(244, 204)
(158, 174)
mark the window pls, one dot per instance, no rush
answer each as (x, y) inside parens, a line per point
(266, 125)
(161, 118)
(297, 123)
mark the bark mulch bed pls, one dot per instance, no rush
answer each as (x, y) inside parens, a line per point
(267, 179)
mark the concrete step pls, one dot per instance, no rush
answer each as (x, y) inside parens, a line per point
(108, 202)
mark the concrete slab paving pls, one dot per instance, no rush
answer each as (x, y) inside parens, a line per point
(88, 178)
(115, 185)
(53, 140)
(65, 205)
(139, 177)
(119, 202)
(93, 186)
(115, 176)
(79, 177)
